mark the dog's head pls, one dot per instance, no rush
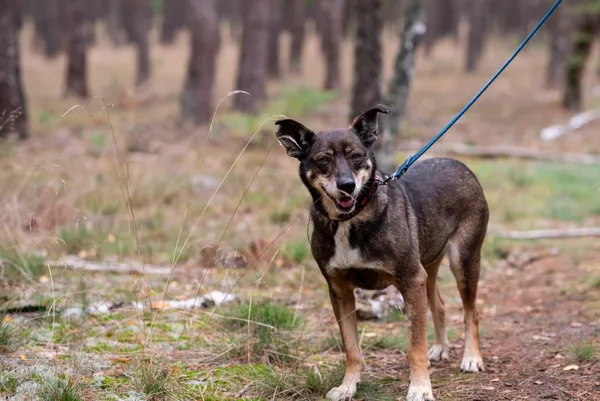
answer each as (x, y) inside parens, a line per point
(336, 164)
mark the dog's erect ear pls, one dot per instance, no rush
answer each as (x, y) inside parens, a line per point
(365, 125)
(295, 137)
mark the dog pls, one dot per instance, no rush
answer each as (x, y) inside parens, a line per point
(369, 235)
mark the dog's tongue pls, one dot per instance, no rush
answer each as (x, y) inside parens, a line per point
(345, 201)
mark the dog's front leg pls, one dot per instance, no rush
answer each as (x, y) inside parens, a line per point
(344, 307)
(414, 291)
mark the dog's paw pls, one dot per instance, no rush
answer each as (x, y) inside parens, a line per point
(342, 393)
(471, 364)
(419, 393)
(437, 353)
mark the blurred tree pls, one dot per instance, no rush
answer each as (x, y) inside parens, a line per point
(399, 88)
(114, 22)
(138, 24)
(196, 99)
(587, 25)
(366, 86)
(76, 48)
(252, 71)
(230, 11)
(295, 19)
(174, 18)
(47, 23)
(275, 28)
(13, 107)
(559, 42)
(330, 22)
(477, 16)
(443, 19)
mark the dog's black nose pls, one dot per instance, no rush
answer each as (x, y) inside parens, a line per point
(346, 185)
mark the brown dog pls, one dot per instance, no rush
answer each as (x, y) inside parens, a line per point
(371, 236)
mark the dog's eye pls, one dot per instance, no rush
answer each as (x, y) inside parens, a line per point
(323, 160)
(356, 157)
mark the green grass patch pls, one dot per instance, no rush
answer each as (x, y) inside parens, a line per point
(156, 380)
(10, 335)
(516, 190)
(15, 264)
(294, 102)
(297, 250)
(60, 389)
(584, 350)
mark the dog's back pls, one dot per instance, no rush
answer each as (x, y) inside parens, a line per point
(446, 198)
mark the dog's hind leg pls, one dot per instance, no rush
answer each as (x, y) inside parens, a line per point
(464, 251)
(439, 350)
(344, 308)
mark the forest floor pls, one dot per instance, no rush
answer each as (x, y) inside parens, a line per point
(175, 191)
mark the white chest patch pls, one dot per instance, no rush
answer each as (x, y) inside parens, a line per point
(345, 256)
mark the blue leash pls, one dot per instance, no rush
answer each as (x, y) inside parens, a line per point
(413, 158)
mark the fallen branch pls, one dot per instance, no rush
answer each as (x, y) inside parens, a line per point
(130, 268)
(546, 234)
(492, 152)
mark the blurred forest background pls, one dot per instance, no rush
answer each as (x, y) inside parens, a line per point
(153, 236)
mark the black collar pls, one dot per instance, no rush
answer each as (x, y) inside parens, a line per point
(364, 197)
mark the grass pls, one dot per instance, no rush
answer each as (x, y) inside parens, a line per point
(538, 190)
(155, 380)
(60, 389)
(297, 250)
(16, 264)
(10, 336)
(297, 384)
(584, 350)
(269, 326)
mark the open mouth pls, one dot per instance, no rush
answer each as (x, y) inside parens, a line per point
(344, 204)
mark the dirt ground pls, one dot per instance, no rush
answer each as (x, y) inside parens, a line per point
(63, 194)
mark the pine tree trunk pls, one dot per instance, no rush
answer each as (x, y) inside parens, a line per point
(48, 27)
(559, 42)
(77, 49)
(330, 23)
(13, 107)
(297, 27)
(477, 33)
(400, 85)
(275, 28)
(252, 71)
(581, 48)
(366, 87)
(114, 23)
(196, 99)
(174, 19)
(141, 23)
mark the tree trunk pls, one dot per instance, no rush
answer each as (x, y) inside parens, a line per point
(77, 49)
(443, 19)
(581, 48)
(275, 27)
(366, 88)
(330, 23)
(174, 19)
(114, 22)
(252, 71)
(297, 27)
(477, 32)
(196, 99)
(399, 89)
(48, 31)
(13, 107)
(559, 41)
(141, 23)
